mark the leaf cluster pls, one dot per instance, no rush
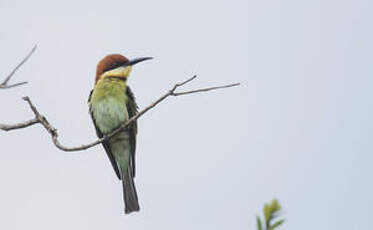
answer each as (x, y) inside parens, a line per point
(271, 212)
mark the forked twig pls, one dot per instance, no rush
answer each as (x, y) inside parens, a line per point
(4, 84)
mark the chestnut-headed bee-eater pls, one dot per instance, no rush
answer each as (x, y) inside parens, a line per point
(111, 104)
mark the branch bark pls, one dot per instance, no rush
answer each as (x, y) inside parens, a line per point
(40, 119)
(4, 84)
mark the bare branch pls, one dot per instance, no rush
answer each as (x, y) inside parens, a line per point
(53, 131)
(205, 89)
(185, 82)
(19, 125)
(4, 84)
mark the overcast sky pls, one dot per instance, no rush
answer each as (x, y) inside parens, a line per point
(298, 128)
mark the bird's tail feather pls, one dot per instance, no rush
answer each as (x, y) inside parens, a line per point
(129, 193)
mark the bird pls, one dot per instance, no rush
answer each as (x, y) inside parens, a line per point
(112, 103)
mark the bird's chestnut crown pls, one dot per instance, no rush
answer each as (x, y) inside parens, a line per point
(108, 63)
(116, 65)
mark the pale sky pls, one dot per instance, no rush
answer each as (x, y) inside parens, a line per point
(298, 128)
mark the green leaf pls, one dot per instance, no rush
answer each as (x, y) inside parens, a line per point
(275, 206)
(270, 210)
(259, 223)
(275, 225)
(266, 212)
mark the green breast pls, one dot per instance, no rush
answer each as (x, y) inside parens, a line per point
(108, 104)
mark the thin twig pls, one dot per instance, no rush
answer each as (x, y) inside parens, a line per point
(205, 89)
(19, 125)
(4, 84)
(53, 131)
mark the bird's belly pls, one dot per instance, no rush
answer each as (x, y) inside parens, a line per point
(109, 114)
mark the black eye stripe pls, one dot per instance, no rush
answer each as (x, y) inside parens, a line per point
(114, 66)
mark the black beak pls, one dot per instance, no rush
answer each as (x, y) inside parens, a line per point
(137, 60)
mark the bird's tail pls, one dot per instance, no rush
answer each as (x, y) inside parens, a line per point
(129, 193)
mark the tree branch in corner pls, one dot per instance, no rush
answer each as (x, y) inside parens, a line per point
(4, 84)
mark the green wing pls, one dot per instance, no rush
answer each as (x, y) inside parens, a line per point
(132, 109)
(105, 144)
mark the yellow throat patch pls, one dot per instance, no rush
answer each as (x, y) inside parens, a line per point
(120, 72)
